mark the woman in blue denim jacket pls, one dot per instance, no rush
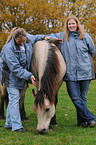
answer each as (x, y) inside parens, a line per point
(15, 62)
(78, 50)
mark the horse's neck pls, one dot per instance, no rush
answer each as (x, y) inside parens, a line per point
(40, 56)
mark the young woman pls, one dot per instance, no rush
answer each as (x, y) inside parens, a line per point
(15, 62)
(78, 50)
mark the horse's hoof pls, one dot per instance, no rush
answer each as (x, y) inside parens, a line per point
(54, 123)
(50, 128)
(2, 117)
(26, 119)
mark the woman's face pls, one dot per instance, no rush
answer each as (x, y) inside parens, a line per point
(20, 41)
(72, 25)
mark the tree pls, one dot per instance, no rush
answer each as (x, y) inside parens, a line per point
(45, 16)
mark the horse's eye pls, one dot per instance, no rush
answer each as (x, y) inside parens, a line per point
(47, 109)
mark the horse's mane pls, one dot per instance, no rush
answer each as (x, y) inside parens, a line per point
(39, 98)
(49, 78)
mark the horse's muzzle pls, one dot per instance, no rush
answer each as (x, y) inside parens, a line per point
(43, 131)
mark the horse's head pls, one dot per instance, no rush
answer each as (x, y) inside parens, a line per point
(44, 110)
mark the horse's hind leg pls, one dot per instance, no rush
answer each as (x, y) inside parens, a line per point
(23, 113)
(3, 97)
(24, 118)
(53, 119)
(22, 108)
(1, 108)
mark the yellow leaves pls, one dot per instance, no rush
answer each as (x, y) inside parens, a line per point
(3, 38)
(47, 16)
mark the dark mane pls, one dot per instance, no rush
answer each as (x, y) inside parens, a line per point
(39, 98)
(49, 78)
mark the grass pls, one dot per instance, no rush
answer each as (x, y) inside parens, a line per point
(66, 133)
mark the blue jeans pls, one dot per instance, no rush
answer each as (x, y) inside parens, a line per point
(78, 92)
(13, 118)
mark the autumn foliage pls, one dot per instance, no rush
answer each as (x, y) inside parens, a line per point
(45, 16)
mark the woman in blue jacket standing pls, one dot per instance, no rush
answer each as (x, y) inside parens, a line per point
(15, 61)
(78, 50)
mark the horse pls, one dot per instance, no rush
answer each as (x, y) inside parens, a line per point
(48, 67)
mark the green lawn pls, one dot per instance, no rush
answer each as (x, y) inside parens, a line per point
(66, 133)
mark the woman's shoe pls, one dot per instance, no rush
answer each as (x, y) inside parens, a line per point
(84, 124)
(92, 124)
(8, 128)
(21, 130)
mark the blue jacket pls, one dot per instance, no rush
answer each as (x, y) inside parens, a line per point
(15, 62)
(78, 55)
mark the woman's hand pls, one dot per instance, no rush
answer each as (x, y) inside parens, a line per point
(59, 40)
(33, 80)
(47, 38)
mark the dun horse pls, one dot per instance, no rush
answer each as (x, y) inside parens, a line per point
(49, 68)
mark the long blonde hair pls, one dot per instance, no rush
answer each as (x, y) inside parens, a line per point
(79, 27)
(16, 32)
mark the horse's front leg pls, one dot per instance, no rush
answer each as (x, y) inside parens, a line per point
(53, 119)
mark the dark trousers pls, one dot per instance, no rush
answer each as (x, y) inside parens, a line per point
(78, 92)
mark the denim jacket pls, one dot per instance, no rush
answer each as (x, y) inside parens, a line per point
(15, 62)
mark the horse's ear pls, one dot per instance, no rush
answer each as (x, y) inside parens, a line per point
(34, 92)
